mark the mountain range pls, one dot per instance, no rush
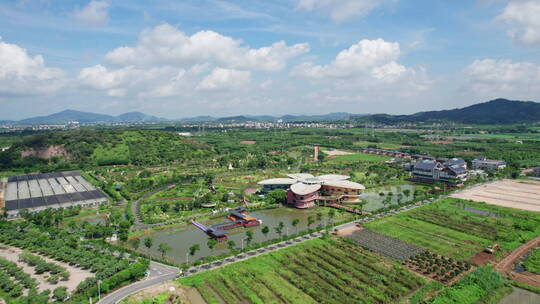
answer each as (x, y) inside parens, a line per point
(138, 117)
(498, 111)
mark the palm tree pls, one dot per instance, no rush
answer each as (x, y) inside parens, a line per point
(231, 245)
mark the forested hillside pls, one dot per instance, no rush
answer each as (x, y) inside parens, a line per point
(498, 111)
(103, 147)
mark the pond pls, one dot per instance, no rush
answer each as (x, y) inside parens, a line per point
(181, 238)
(374, 200)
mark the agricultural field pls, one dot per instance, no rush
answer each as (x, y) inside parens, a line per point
(317, 271)
(482, 285)
(455, 228)
(358, 157)
(386, 245)
(532, 262)
(379, 145)
(437, 267)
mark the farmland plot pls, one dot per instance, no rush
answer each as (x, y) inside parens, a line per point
(317, 271)
(450, 228)
(386, 245)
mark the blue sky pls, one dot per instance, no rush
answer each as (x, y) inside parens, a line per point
(218, 57)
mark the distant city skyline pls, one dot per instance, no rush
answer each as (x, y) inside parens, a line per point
(177, 59)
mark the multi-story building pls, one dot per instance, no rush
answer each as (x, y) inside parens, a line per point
(450, 171)
(482, 163)
(307, 190)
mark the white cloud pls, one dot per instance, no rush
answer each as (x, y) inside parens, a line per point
(368, 59)
(490, 78)
(362, 76)
(225, 79)
(166, 45)
(340, 10)
(21, 74)
(96, 13)
(523, 21)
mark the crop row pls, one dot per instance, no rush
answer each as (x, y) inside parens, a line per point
(12, 288)
(437, 267)
(386, 245)
(17, 272)
(326, 271)
(41, 266)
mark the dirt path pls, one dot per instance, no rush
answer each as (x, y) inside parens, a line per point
(506, 264)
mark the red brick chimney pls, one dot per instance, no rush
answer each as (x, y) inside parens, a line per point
(316, 153)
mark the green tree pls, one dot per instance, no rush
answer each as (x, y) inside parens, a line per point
(231, 245)
(136, 243)
(193, 249)
(148, 241)
(163, 248)
(277, 197)
(279, 228)
(211, 244)
(60, 293)
(310, 221)
(295, 223)
(249, 236)
(265, 231)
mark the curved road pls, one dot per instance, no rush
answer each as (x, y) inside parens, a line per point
(160, 273)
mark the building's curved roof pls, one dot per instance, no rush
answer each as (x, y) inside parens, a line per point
(299, 176)
(344, 184)
(333, 177)
(277, 181)
(303, 189)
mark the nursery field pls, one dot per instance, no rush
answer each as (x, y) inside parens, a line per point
(459, 228)
(360, 157)
(317, 271)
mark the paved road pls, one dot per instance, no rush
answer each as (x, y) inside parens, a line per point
(158, 273)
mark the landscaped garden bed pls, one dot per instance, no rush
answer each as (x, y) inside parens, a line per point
(437, 267)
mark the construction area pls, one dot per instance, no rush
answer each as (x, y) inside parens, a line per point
(519, 194)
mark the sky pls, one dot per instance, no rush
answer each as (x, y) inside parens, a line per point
(177, 59)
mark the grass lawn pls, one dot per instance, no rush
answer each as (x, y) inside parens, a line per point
(317, 271)
(359, 157)
(460, 228)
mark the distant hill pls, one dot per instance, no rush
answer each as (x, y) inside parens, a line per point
(137, 117)
(498, 111)
(67, 116)
(269, 118)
